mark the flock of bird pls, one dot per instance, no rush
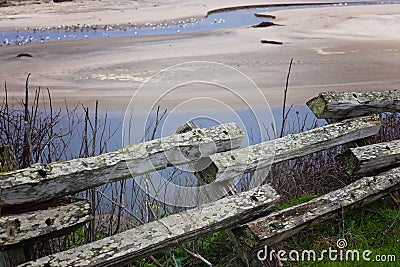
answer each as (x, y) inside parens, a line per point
(82, 31)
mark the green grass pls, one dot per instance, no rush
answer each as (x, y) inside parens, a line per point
(297, 201)
(215, 248)
(375, 228)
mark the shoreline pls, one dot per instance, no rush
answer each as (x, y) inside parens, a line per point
(53, 14)
(52, 26)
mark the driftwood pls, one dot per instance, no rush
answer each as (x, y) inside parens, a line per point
(262, 15)
(24, 55)
(271, 42)
(233, 163)
(282, 224)
(41, 183)
(265, 24)
(337, 106)
(172, 230)
(371, 158)
(63, 216)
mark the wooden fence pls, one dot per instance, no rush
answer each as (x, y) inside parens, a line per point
(34, 206)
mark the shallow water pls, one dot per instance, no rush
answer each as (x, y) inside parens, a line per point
(215, 20)
(298, 117)
(255, 131)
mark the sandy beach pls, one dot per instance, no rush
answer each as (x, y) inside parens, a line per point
(347, 48)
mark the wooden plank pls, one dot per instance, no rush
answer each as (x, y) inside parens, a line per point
(205, 170)
(291, 147)
(41, 183)
(233, 163)
(11, 256)
(371, 158)
(146, 239)
(282, 224)
(337, 106)
(56, 219)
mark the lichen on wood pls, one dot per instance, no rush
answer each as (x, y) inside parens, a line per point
(204, 169)
(371, 158)
(280, 225)
(31, 226)
(146, 239)
(40, 183)
(233, 163)
(333, 105)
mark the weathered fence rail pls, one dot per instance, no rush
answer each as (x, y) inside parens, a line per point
(280, 225)
(232, 163)
(172, 230)
(368, 159)
(31, 226)
(41, 183)
(337, 106)
(248, 216)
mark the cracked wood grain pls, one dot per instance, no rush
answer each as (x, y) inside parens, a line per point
(371, 158)
(41, 183)
(280, 225)
(29, 227)
(234, 163)
(143, 240)
(337, 106)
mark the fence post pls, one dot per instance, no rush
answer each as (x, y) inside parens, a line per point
(7, 159)
(208, 175)
(13, 256)
(205, 174)
(337, 106)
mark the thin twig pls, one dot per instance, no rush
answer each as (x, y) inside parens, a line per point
(119, 205)
(284, 114)
(155, 261)
(197, 256)
(390, 226)
(174, 261)
(27, 157)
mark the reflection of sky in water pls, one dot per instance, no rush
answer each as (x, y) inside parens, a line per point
(115, 119)
(204, 120)
(214, 21)
(298, 116)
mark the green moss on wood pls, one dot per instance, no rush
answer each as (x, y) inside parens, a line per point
(349, 162)
(317, 105)
(6, 159)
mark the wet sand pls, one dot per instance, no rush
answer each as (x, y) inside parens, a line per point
(342, 48)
